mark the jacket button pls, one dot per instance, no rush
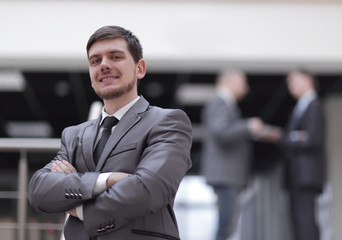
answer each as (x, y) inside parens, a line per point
(67, 196)
(100, 230)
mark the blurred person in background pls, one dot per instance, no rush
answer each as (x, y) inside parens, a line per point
(226, 146)
(303, 144)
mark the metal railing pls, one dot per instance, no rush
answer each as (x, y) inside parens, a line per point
(263, 209)
(259, 204)
(24, 146)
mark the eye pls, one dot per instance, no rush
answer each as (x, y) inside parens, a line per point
(117, 57)
(94, 61)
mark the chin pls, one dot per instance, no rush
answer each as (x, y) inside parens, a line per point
(108, 94)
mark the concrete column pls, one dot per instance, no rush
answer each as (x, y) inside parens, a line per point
(333, 107)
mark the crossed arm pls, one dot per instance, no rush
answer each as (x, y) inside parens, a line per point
(163, 162)
(66, 167)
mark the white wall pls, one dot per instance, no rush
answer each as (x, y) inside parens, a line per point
(176, 35)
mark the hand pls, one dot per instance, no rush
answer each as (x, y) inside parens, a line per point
(271, 134)
(298, 136)
(62, 166)
(255, 125)
(115, 177)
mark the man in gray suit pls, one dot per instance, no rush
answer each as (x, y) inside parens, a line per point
(226, 146)
(125, 191)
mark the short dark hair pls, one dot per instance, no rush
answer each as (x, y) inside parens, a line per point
(113, 32)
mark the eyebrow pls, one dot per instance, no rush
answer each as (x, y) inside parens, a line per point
(111, 52)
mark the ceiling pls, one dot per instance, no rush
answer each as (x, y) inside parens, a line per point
(199, 36)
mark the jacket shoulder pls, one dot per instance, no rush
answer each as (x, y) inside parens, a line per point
(75, 128)
(167, 112)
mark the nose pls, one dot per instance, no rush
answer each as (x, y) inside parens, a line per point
(105, 65)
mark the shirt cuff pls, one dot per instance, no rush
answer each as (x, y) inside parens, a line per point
(79, 212)
(294, 136)
(100, 185)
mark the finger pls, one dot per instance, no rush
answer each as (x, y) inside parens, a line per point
(61, 167)
(52, 168)
(58, 166)
(70, 168)
(55, 167)
(64, 166)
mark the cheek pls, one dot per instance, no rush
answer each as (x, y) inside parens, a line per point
(294, 92)
(243, 90)
(292, 88)
(92, 75)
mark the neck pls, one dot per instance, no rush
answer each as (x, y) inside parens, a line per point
(305, 92)
(113, 105)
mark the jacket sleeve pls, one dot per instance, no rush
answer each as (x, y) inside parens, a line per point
(55, 192)
(223, 124)
(163, 163)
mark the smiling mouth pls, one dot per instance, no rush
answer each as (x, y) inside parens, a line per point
(109, 79)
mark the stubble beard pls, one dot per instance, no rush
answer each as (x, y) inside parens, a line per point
(112, 93)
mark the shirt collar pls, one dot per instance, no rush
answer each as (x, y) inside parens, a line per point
(121, 112)
(306, 99)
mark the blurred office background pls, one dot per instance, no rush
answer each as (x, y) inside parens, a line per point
(44, 87)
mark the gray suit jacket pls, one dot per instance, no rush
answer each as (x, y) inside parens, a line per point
(151, 143)
(226, 147)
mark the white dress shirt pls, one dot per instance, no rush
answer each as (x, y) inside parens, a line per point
(299, 109)
(304, 102)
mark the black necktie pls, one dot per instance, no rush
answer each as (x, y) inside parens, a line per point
(107, 124)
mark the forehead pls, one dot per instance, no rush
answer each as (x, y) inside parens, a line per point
(107, 46)
(296, 77)
(240, 78)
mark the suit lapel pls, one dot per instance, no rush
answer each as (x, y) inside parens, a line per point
(296, 119)
(293, 121)
(89, 137)
(232, 108)
(131, 118)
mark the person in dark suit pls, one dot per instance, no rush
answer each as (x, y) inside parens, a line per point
(226, 146)
(303, 143)
(126, 190)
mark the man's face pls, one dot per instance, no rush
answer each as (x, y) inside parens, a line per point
(297, 84)
(112, 70)
(241, 86)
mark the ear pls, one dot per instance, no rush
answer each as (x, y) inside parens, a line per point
(141, 69)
